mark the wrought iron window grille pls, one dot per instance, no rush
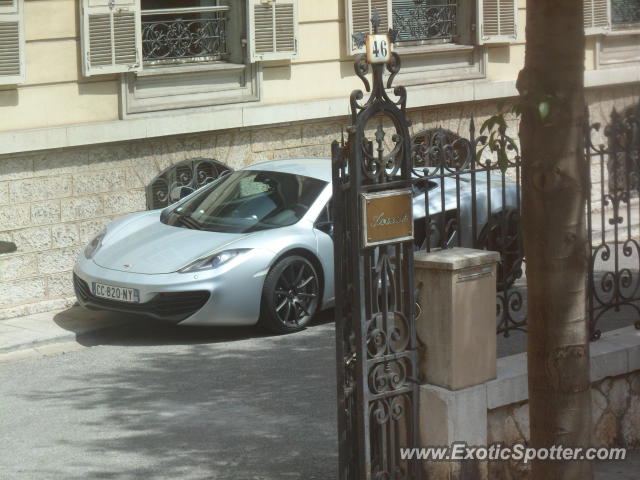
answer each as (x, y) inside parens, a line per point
(425, 21)
(184, 35)
(181, 179)
(625, 14)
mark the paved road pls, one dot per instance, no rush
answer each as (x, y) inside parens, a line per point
(153, 402)
(169, 403)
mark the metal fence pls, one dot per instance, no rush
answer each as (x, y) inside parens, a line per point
(473, 200)
(613, 216)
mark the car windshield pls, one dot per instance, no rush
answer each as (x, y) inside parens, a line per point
(248, 201)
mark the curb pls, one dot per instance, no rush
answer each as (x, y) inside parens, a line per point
(31, 331)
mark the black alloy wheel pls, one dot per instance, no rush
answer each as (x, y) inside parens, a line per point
(291, 295)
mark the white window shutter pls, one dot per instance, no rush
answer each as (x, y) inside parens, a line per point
(597, 16)
(111, 36)
(358, 19)
(12, 61)
(497, 21)
(274, 29)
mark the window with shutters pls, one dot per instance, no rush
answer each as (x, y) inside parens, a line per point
(120, 36)
(605, 16)
(275, 29)
(12, 63)
(497, 21)
(435, 22)
(191, 31)
(199, 53)
(617, 26)
(439, 40)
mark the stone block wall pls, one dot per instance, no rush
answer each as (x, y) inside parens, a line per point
(615, 410)
(53, 202)
(602, 103)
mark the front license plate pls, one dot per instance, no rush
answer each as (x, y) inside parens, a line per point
(121, 294)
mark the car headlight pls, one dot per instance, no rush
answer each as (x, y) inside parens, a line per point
(213, 261)
(91, 249)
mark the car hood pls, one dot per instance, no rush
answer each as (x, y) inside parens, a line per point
(143, 244)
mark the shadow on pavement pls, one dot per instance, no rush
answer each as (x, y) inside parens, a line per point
(94, 327)
(261, 408)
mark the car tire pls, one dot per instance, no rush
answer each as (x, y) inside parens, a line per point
(290, 296)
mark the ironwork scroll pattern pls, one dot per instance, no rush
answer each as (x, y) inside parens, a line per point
(625, 12)
(185, 38)
(614, 271)
(476, 205)
(420, 20)
(190, 174)
(375, 329)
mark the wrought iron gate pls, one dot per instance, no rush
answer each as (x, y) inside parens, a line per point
(375, 329)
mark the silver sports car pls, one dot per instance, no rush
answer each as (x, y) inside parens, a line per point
(253, 246)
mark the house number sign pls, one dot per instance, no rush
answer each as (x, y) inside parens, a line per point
(378, 48)
(387, 217)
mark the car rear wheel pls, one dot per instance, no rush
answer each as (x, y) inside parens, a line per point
(290, 296)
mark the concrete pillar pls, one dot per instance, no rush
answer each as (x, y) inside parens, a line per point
(457, 325)
(457, 329)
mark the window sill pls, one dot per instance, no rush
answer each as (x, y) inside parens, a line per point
(196, 120)
(440, 48)
(190, 68)
(623, 32)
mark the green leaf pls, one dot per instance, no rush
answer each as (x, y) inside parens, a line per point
(543, 109)
(503, 160)
(479, 152)
(488, 124)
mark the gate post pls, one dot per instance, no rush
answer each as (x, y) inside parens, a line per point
(458, 356)
(375, 325)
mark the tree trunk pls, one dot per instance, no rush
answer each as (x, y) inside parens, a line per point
(554, 190)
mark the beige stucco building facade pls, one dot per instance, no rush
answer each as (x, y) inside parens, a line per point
(96, 99)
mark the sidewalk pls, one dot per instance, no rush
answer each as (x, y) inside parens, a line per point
(37, 330)
(142, 378)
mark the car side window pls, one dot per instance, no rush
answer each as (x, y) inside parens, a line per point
(325, 215)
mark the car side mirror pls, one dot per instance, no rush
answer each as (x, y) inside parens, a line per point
(326, 227)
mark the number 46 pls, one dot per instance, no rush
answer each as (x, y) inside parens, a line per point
(378, 49)
(383, 51)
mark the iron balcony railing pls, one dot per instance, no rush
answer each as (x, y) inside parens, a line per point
(179, 35)
(625, 14)
(424, 20)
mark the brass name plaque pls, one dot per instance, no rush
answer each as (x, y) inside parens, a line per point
(387, 217)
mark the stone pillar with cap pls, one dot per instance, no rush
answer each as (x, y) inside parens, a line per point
(457, 332)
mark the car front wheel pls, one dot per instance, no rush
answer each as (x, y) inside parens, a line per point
(291, 295)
